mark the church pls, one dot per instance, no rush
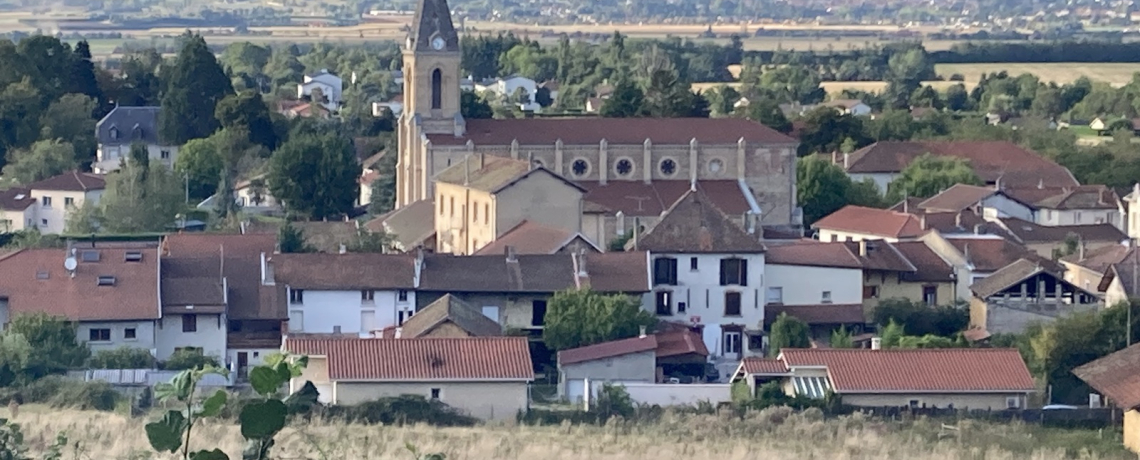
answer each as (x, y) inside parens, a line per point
(631, 169)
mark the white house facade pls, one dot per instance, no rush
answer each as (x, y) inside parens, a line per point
(124, 127)
(327, 84)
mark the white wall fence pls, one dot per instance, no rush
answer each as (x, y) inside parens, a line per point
(147, 377)
(672, 394)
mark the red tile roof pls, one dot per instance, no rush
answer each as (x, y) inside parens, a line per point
(532, 238)
(1030, 232)
(929, 266)
(871, 221)
(636, 198)
(991, 160)
(764, 366)
(591, 131)
(491, 173)
(1115, 376)
(1053, 197)
(72, 181)
(352, 271)
(34, 280)
(818, 314)
(956, 198)
(812, 253)
(1099, 259)
(607, 350)
(423, 359)
(680, 342)
(242, 268)
(608, 272)
(16, 199)
(695, 225)
(992, 254)
(959, 370)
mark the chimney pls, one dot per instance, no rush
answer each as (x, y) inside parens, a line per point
(581, 276)
(834, 157)
(481, 156)
(922, 221)
(1040, 183)
(642, 334)
(958, 220)
(876, 342)
(977, 229)
(862, 248)
(399, 332)
(530, 161)
(343, 249)
(846, 158)
(512, 256)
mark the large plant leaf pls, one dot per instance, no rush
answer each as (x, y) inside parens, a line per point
(165, 435)
(265, 380)
(214, 404)
(215, 454)
(262, 419)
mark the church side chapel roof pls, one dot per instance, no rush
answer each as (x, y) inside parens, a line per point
(491, 173)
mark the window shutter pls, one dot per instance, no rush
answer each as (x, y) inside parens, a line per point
(743, 272)
(672, 272)
(723, 272)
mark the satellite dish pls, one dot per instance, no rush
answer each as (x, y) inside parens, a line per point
(70, 263)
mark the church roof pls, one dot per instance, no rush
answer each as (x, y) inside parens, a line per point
(695, 225)
(433, 18)
(579, 131)
(491, 173)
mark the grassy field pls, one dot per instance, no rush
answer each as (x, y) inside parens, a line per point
(1066, 72)
(775, 433)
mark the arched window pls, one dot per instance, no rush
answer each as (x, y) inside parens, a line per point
(436, 89)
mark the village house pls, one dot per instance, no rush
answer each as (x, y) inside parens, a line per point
(484, 377)
(632, 360)
(111, 292)
(855, 223)
(1114, 377)
(58, 196)
(854, 107)
(708, 271)
(481, 197)
(253, 319)
(976, 256)
(347, 294)
(17, 210)
(448, 316)
(977, 378)
(1023, 293)
(327, 85)
(905, 270)
(507, 89)
(1119, 283)
(1087, 268)
(124, 127)
(534, 238)
(1058, 206)
(1049, 241)
(411, 227)
(821, 284)
(1131, 203)
(993, 161)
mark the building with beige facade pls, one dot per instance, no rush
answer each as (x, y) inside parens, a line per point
(483, 197)
(57, 197)
(485, 377)
(17, 210)
(433, 136)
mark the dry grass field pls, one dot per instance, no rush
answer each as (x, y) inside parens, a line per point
(1066, 72)
(775, 433)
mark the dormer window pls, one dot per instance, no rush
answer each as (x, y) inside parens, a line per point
(106, 281)
(114, 132)
(89, 256)
(42, 275)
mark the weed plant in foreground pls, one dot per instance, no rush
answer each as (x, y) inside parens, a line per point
(774, 433)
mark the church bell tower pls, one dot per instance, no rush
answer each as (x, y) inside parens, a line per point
(431, 96)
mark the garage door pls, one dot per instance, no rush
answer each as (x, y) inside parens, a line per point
(575, 390)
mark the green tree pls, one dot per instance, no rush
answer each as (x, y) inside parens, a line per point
(627, 101)
(957, 98)
(826, 130)
(201, 165)
(43, 160)
(788, 332)
(474, 107)
(892, 335)
(246, 57)
(821, 187)
(791, 84)
(188, 359)
(314, 175)
(123, 357)
(53, 341)
(137, 199)
(291, 240)
(370, 241)
(246, 112)
(841, 338)
(666, 96)
(722, 100)
(20, 106)
(577, 318)
(194, 86)
(928, 175)
(69, 119)
(919, 319)
(768, 113)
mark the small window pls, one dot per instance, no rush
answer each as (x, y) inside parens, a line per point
(297, 296)
(623, 167)
(367, 295)
(46, 201)
(435, 392)
(451, 206)
(732, 304)
(914, 403)
(870, 292)
(826, 298)
(775, 296)
(189, 323)
(486, 213)
(165, 154)
(733, 272)
(475, 213)
(664, 303)
(129, 333)
(99, 335)
(930, 295)
(68, 201)
(441, 207)
(89, 256)
(402, 295)
(106, 280)
(1012, 402)
(665, 271)
(43, 222)
(693, 264)
(580, 167)
(681, 307)
(133, 256)
(538, 313)
(668, 167)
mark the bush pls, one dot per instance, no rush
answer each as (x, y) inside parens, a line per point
(61, 392)
(400, 410)
(188, 359)
(122, 358)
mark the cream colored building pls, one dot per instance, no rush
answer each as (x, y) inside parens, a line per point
(17, 210)
(484, 377)
(482, 197)
(57, 197)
